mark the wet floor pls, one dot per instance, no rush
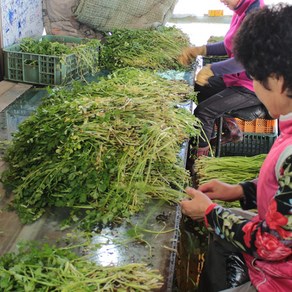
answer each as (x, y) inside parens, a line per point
(17, 102)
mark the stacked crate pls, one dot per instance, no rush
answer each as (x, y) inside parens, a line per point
(258, 137)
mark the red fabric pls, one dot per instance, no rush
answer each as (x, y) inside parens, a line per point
(208, 210)
(271, 275)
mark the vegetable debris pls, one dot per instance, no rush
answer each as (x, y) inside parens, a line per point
(39, 267)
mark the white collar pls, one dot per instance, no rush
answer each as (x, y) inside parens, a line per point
(286, 117)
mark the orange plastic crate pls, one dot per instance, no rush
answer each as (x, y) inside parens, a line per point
(215, 12)
(257, 126)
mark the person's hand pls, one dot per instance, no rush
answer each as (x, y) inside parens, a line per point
(190, 53)
(197, 206)
(217, 190)
(203, 75)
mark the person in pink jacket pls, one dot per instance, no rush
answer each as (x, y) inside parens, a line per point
(222, 86)
(263, 46)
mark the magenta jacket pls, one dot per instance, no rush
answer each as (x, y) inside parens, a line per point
(233, 73)
(266, 240)
(270, 274)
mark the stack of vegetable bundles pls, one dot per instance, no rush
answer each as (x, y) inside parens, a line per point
(226, 170)
(105, 147)
(155, 49)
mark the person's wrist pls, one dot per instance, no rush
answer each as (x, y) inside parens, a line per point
(203, 51)
(210, 208)
(207, 211)
(238, 191)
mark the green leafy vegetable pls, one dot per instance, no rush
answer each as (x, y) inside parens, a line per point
(86, 52)
(104, 148)
(153, 49)
(233, 170)
(40, 268)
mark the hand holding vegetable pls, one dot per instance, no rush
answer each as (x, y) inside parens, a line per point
(197, 206)
(204, 74)
(218, 190)
(190, 53)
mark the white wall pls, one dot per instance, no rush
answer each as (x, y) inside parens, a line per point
(20, 19)
(200, 32)
(196, 7)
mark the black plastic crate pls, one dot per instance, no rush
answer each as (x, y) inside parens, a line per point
(252, 144)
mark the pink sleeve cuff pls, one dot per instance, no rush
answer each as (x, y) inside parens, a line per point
(208, 210)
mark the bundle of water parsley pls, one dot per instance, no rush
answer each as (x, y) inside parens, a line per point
(104, 149)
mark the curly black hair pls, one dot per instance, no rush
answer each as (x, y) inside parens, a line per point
(263, 44)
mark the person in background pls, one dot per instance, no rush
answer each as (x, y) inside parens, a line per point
(263, 46)
(222, 86)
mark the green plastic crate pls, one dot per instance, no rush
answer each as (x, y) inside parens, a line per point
(43, 69)
(252, 144)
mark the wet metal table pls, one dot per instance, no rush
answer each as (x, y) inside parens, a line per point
(150, 237)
